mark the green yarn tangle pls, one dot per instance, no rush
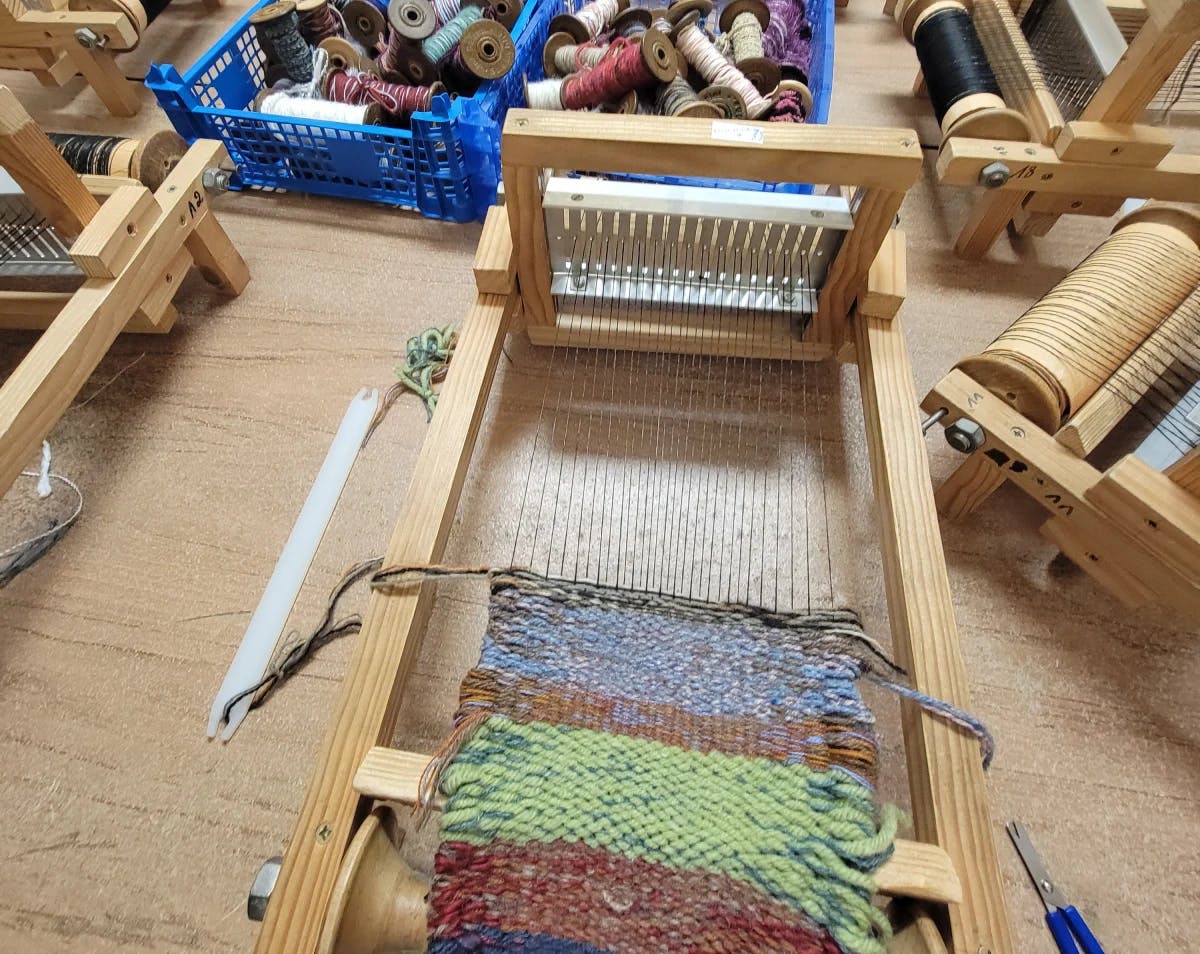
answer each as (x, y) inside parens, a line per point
(611, 789)
(426, 360)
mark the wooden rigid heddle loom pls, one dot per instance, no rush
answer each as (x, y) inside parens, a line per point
(673, 662)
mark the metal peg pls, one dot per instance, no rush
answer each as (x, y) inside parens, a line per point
(933, 419)
(216, 180)
(89, 39)
(965, 436)
(260, 891)
(994, 175)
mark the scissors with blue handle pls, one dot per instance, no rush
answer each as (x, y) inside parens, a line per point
(1065, 923)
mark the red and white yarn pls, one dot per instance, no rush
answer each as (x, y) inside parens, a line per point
(698, 51)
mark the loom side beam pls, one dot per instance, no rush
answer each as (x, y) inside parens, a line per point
(949, 793)
(1040, 169)
(915, 870)
(1126, 536)
(369, 700)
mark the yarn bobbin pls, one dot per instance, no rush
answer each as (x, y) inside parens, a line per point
(507, 12)
(487, 49)
(681, 8)
(569, 23)
(554, 43)
(632, 21)
(343, 55)
(415, 66)
(412, 19)
(763, 72)
(378, 901)
(155, 157)
(659, 55)
(801, 89)
(963, 110)
(727, 100)
(365, 21)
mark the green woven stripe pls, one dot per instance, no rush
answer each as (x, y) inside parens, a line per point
(810, 839)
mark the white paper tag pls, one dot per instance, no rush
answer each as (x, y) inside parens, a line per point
(736, 132)
(1193, 415)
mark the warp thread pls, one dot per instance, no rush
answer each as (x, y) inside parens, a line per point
(787, 38)
(282, 42)
(699, 51)
(621, 70)
(683, 772)
(360, 89)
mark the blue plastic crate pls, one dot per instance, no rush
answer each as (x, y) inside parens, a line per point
(447, 165)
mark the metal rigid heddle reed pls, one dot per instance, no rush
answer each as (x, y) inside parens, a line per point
(677, 394)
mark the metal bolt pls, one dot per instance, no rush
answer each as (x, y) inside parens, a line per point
(965, 435)
(994, 175)
(216, 180)
(933, 419)
(89, 39)
(260, 891)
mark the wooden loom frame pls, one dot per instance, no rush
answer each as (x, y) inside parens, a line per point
(133, 250)
(44, 42)
(1087, 166)
(949, 796)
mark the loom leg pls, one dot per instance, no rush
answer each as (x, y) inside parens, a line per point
(217, 257)
(1105, 571)
(989, 217)
(968, 488)
(99, 68)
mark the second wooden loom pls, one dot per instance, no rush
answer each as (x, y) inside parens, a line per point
(1037, 163)
(671, 278)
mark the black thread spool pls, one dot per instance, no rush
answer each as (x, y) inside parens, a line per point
(148, 160)
(962, 87)
(277, 28)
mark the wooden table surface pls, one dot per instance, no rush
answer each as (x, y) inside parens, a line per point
(126, 830)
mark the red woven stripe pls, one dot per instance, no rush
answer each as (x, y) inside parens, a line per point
(571, 891)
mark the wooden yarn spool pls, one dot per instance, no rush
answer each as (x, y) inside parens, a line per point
(1063, 350)
(728, 101)
(507, 12)
(365, 21)
(569, 23)
(764, 73)
(801, 89)
(974, 116)
(152, 159)
(343, 55)
(487, 49)
(378, 902)
(412, 19)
